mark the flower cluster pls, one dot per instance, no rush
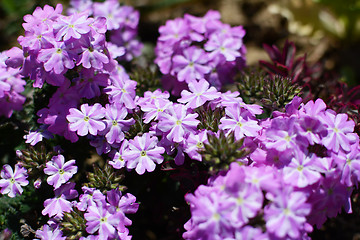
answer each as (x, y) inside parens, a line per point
(302, 171)
(121, 22)
(104, 214)
(71, 52)
(194, 48)
(268, 177)
(11, 87)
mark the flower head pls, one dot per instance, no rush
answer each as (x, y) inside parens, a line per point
(59, 171)
(12, 181)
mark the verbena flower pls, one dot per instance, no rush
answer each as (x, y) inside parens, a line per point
(122, 90)
(88, 120)
(100, 220)
(239, 121)
(286, 215)
(154, 109)
(191, 65)
(60, 203)
(200, 92)
(12, 181)
(340, 131)
(59, 171)
(143, 153)
(116, 124)
(56, 58)
(73, 26)
(300, 172)
(47, 233)
(175, 122)
(118, 161)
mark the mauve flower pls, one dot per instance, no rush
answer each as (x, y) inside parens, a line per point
(154, 108)
(209, 211)
(195, 143)
(226, 46)
(349, 164)
(143, 153)
(59, 204)
(340, 131)
(173, 31)
(282, 134)
(93, 52)
(47, 233)
(56, 58)
(73, 26)
(90, 82)
(121, 205)
(88, 120)
(100, 220)
(118, 161)
(200, 92)
(116, 124)
(286, 214)
(59, 171)
(33, 137)
(90, 197)
(47, 16)
(241, 122)
(191, 65)
(176, 122)
(111, 10)
(122, 90)
(13, 181)
(300, 171)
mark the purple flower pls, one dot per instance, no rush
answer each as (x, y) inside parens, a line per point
(282, 134)
(176, 122)
(191, 65)
(72, 26)
(59, 204)
(118, 160)
(340, 131)
(100, 220)
(211, 20)
(12, 181)
(154, 108)
(46, 233)
(59, 171)
(89, 83)
(200, 93)
(90, 197)
(33, 137)
(247, 200)
(240, 121)
(42, 16)
(226, 46)
(173, 31)
(300, 171)
(232, 99)
(115, 122)
(349, 164)
(150, 97)
(312, 129)
(143, 153)
(122, 204)
(56, 58)
(209, 214)
(93, 52)
(194, 143)
(88, 120)
(286, 215)
(111, 10)
(122, 91)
